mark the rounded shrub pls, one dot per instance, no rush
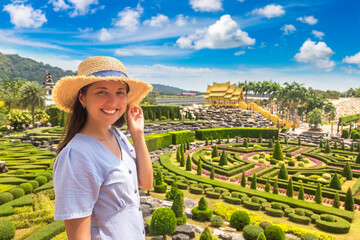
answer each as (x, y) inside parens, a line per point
(264, 224)
(202, 212)
(299, 212)
(299, 157)
(276, 206)
(17, 192)
(326, 176)
(217, 221)
(288, 154)
(6, 197)
(7, 230)
(239, 219)
(34, 183)
(163, 222)
(291, 163)
(301, 164)
(42, 180)
(329, 218)
(20, 172)
(308, 236)
(251, 232)
(273, 232)
(28, 188)
(48, 175)
(273, 161)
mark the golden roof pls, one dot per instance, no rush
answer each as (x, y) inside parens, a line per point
(224, 90)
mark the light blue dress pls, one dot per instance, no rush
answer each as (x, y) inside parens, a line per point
(90, 180)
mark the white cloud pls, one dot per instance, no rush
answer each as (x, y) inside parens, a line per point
(353, 59)
(149, 51)
(84, 30)
(104, 35)
(241, 0)
(157, 21)
(225, 33)
(239, 53)
(308, 19)
(350, 69)
(206, 5)
(59, 5)
(318, 34)
(81, 6)
(181, 20)
(270, 11)
(25, 16)
(319, 54)
(288, 29)
(129, 18)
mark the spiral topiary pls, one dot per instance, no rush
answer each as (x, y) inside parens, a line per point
(163, 222)
(7, 230)
(239, 219)
(273, 232)
(17, 192)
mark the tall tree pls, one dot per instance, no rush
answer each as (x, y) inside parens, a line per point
(32, 96)
(10, 92)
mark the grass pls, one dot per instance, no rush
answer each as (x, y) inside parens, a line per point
(348, 184)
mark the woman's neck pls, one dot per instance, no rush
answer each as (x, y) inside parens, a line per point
(101, 132)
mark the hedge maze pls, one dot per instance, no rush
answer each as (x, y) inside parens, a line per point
(263, 174)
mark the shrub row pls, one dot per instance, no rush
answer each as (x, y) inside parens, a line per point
(216, 133)
(182, 136)
(338, 226)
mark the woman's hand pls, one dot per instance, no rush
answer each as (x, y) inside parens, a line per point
(135, 120)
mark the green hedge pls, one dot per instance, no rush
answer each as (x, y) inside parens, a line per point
(233, 200)
(46, 186)
(49, 231)
(338, 226)
(160, 108)
(158, 140)
(274, 212)
(252, 205)
(349, 118)
(216, 133)
(316, 208)
(299, 219)
(214, 195)
(182, 136)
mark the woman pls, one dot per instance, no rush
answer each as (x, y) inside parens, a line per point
(97, 172)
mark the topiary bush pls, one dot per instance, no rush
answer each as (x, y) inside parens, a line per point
(264, 224)
(239, 219)
(34, 183)
(6, 197)
(17, 192)
(206, 234)
(28, 188)
(163, 222)
(273, 232)
(308, 236)
(251, 232)
(48, 175)
(217, 221)
(41, 180)
(7, 230)
(202, 212)
(20, 172)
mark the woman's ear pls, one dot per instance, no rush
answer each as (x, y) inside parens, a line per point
(82, 99)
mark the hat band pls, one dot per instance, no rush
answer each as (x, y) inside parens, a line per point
(108, 73)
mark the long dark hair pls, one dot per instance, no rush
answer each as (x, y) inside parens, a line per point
(77, 118)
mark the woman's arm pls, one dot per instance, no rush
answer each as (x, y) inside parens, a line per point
(135, 123)
(78, 228)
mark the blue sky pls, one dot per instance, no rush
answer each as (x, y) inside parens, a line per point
(192, 43)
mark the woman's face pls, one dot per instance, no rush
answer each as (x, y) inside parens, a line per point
(105, 102)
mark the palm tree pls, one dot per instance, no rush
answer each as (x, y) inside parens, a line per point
(245, 87)
(32, 96)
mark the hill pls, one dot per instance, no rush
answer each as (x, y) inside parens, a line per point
(15, 66)
(164, 89)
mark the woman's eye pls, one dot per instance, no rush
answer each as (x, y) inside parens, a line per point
(101, 92)
(121, 93)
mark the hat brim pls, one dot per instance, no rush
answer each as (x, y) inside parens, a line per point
(66, 89)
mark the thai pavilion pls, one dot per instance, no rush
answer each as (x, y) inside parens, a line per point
(224, 95)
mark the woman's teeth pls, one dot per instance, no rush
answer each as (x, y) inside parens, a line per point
(108, 111)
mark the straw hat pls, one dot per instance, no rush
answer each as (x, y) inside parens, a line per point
(96, 69)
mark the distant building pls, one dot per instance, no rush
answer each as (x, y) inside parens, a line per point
(224, 94)
(187, 94)
(48, 84)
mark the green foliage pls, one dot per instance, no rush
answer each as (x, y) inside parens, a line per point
(318, 194)
(163, 222)
(243, 178)
(345, 133)
(321, 145)
(335, 145)
(159, 177)
(339, 225)
(182, 159)
(277, 153)
(301, 192)
(170, 195)
(349, 118)
(215, 152)
(299, 140)
(352, 147)
(275, 187)
(17, 118)
(253, 182)
(7, 230)
(182, 136)
(202, 205)
(206, 234)
(261, 237)
(336, 202)
(212, 173)
(270, 144)
(308, 236)
(202, 212)
(246, 143)
(236, 131)
(5, 197)
(335, 182)
(327, 147)
(177, 208)
(239, 219)
(251, 232)
(188, 163)
(158, 140)
(217, 221)
(357, 161)
(17, 192)
(347, 172)
(283, 174)
(206, 142)
(41, 180)
(267, 185)
(315, 117)
(349, 201)
(290, 189)
(223, 159)
(199, 167)
(273, 232)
